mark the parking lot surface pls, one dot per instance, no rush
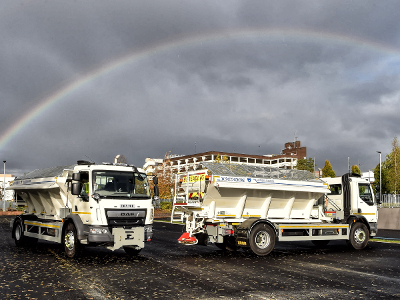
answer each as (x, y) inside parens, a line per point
(167, 270)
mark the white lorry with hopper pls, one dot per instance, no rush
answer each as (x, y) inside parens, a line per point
(248, 206)
(86, 204)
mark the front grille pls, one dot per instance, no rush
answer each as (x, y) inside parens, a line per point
(125, 217)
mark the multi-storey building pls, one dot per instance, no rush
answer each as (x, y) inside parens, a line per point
(288, 159)
(5, 180)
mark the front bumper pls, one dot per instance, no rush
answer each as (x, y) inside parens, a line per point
(119, 237)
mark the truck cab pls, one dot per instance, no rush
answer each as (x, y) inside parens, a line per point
(104, 189)
(362, 203)
(86, 204)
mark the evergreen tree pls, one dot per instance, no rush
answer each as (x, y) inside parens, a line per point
(327, 170)
(305, 164)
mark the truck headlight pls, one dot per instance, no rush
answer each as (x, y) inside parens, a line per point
(152, 214)
(98, 231)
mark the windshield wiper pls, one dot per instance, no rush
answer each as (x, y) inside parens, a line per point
(139, 196)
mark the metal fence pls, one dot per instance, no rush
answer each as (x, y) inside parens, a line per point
(157, 203)
(390, 200)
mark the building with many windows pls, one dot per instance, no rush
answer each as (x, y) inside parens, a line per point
(150, 164)
(181, 163)
(8, 195)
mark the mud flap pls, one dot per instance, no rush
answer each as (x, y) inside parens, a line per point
(128, 237)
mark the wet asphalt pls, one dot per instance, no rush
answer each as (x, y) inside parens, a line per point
(167, 270)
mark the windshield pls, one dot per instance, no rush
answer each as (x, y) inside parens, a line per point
(119, 184)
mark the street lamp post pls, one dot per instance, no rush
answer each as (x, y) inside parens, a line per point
(4, 187)
(380, 176)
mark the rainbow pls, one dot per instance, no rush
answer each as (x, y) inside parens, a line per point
(208, 38)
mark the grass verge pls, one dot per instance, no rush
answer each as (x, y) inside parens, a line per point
(392, 241)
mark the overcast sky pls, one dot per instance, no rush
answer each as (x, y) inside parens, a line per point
(94, 78)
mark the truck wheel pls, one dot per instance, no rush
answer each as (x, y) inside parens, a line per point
(19, 238)
(71, 242)
(320, 243)
(359, 236)
(262, 239)
(132, 250)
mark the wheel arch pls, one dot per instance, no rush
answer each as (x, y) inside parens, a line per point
(82, 230)
(21, 219)
(355, 218)
(249, 224)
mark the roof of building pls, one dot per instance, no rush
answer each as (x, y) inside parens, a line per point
(269, 157)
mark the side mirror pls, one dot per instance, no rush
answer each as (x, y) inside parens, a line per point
(76, 176)
(76, 187)
(155, 180)
(156, 192)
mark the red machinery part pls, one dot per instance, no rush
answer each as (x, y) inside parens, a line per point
(187, 239)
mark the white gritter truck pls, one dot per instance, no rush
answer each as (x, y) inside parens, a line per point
(85, 204)
(247, 206)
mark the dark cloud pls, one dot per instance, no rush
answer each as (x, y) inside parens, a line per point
(203, 76)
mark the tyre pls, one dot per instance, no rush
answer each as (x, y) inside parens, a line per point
(71, 242)
(19, 237)
(320, 243)
(132, 250)
(262, 239)
(359, 236)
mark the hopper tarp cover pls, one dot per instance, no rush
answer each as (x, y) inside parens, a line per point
(245, 170)
(40, 179)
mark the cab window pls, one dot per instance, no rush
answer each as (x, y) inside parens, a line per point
(336, 189)
(85, 183)
(365, 193)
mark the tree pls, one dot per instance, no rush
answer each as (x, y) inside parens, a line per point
(355, 170)
(385, 182)
(166, 182)
(392, 166)
(390, 171)
(305, 164)
(327, 170)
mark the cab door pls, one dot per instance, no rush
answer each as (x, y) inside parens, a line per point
(366, 202)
